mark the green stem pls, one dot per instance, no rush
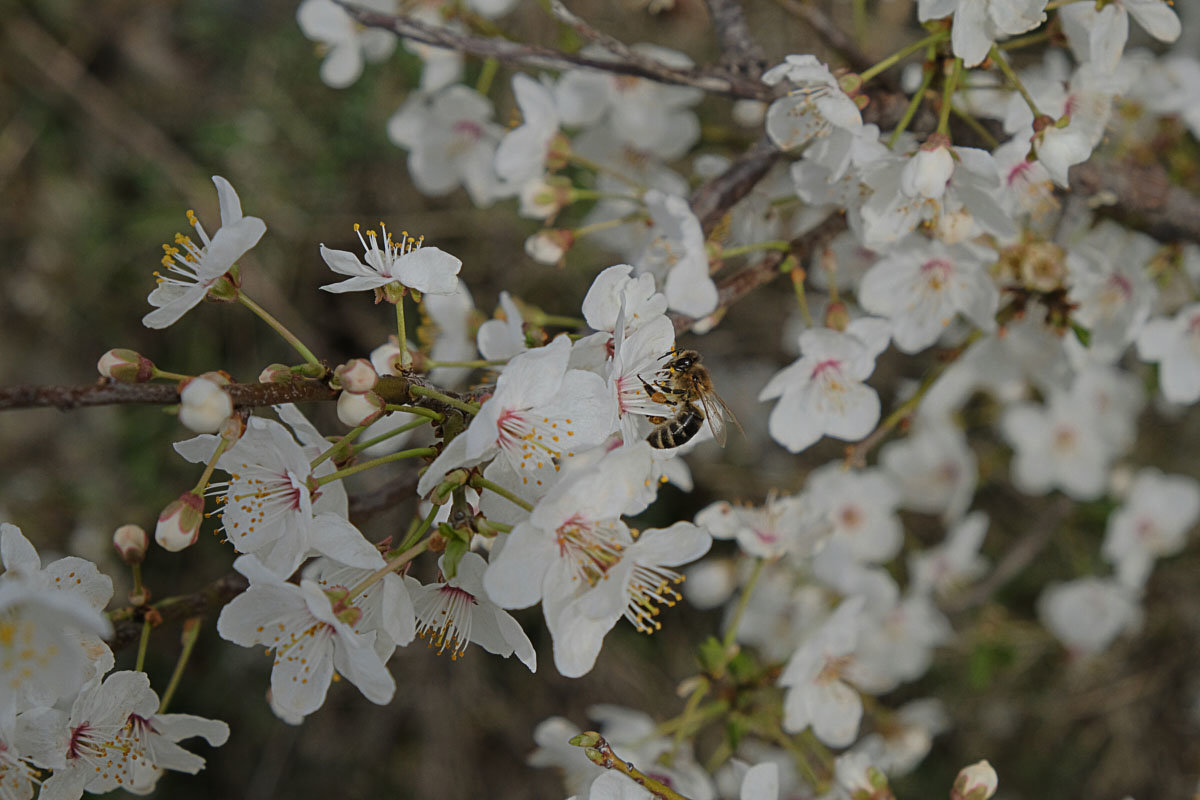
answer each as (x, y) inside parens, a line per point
(486, 75)
(689, 710)
(477, 363)
(191, 632)
(415, 536)
(169, 376)
(383, 437)
(903, 53)
(556, 320)
(948, 96)
(480, 482)
(592, 194)
(202, 484)
(419, 411)
(340, 444)
(287, 335)
(743, 602)
(453, 402)
(976, 126)
(142, 643)
(417, 452)
(1026, 41)
(1004, 66)
(911, 111)
(391, 566)
(405, 356)
(587, 163)
(776, 244)
(801, 297)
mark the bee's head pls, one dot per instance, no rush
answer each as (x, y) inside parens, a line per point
(683, 360)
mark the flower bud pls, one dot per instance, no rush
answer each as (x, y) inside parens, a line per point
(386, 359)
(179, 523)
(359, 409)
(357, 376)
(131, 542)
(125, 366)
(929, 170)
(276, 373)
(837, 317)
(543, 199)
(976, 782)
(203, 404)
(549, 247)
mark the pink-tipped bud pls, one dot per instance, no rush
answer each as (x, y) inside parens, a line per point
(125, 366)
(543, 199)
(276, 373)
(386, 359)
(359, 409)
(837, 316)
(549, 247)
(131, 542)
(357, 376)
(203, 404)
(179, 523)
(976, 782)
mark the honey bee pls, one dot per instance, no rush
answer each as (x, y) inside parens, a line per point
(688, 390)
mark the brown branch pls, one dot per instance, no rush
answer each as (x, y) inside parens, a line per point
(531, 55)
(1141, 196)
(711, 201)
(740, 52)
(738, 286)
(830, 33)
(211, 598)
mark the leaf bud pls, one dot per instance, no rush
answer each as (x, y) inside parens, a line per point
(276, 373)
(131, 542)
(179, 523)
(585, 739)
(125, 366)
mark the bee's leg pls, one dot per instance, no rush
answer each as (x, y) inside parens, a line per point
(657, 420)
(654, 390)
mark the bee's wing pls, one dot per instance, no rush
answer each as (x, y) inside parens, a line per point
(715, 412)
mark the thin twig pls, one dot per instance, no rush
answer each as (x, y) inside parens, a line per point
(738, 286)
(711, 201)
(739, 50)
(531, 55)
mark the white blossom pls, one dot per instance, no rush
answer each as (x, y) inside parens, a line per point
(349, 44)
(407, 262)
(194, 267)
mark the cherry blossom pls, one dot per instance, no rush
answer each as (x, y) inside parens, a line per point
(407, 262)
(455, 612)
(978, 24)
(651, 117)
(816, 108)
(1057, 446)
(676, 255)
(953, 564)
(859, 508)
(451, 140)
(272, 504)
(311, 631)
(114, 737)
(1087, 614)
(348, 43)
(52, 624)
(1152, 523)
(1174, 344)
(522, 153)
(539, 413)
(921, 285)
(823, 393)
(194, 268)
(782, 525)
(1098, 35)
(503, 337)
(816, 694)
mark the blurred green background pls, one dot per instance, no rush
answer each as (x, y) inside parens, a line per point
(113, 115)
